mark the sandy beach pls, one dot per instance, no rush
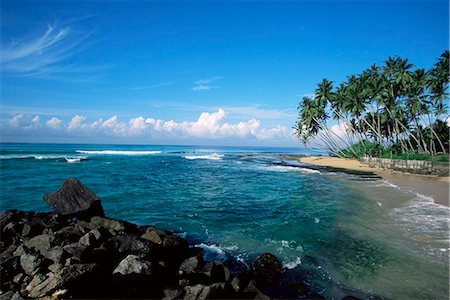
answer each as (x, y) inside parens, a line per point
(433, 186)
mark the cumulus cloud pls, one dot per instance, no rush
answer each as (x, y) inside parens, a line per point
(54, 123)
(16, 120)
(209, 125)
(76, 122)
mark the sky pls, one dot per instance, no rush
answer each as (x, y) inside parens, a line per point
(192, 72)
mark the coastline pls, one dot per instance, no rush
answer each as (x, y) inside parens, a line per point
(428, 185)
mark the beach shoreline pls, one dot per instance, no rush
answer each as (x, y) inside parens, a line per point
(428, 185)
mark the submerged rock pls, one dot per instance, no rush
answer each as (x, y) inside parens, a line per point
(73, 198)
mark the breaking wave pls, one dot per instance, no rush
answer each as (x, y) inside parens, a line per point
(117, 152)
(214, 156)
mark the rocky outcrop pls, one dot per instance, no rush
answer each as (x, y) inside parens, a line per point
(73, 198)
(75, 252)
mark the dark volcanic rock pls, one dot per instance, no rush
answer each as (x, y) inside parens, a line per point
(133, 264)
(76, 252)
(190, 265)
(30, 263)
(267, 268)
(215, 271)
(73, 198)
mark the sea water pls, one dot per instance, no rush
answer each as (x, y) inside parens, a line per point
(347, 235)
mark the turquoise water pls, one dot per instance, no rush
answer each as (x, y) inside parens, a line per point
(366, 238)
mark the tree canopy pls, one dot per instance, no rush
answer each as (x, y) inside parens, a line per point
(394, 105)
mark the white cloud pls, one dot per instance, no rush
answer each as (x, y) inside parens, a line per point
(43, 55)
(261, 113)
(36, 119)
(339, 129)
(204, 84)
(209, 125)
(137, 125)
(16, 120)
(54, 123)
(76, 122)
(152, 86)
(202, 87)
(209, 80)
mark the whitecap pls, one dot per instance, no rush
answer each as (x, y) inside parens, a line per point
(293, 263)
(117, 152)
(288, 169)
(212, 252)
(75, 159)
(214, 156)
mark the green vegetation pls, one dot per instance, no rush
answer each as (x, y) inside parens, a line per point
(391, 111)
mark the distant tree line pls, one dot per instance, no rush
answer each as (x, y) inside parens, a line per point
(394, 107)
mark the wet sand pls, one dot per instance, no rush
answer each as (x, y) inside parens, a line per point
(432, 186)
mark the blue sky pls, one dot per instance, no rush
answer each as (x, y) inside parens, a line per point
(192, 72)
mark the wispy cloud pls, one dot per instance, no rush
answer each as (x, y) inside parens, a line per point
(152, 86)
(46, 54)
(261, 113)
(205, 84)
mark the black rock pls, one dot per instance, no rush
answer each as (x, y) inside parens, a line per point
(130, 244)
(41, 243)
(190, 265)
(215, 271)
(267, 268)
(133, 264)
(30, 263)
(73, 198)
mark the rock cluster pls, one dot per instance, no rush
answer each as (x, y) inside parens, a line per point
(76, 252)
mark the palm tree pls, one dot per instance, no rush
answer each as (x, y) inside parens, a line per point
(386, 105)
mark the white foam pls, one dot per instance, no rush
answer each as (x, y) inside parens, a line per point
(422, 215)
(44, 157)
(388, 183)
(117, 152)
(293, 264)
(288, 169)
(75, 159)
(212, 251)
(214, 156)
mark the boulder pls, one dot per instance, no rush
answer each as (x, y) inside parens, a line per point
(41, 243)
(201, 292)
(252, 291)
(175, 248)
(73, 198)
(75, 277)
(133, 264)
(129, 243)
(91, 238)
(68, 234)
(75, 250)
(30, 263)
(267, 268)
(152, 236)
(215, 271)
(190, 265)
(241, 281)
(172, 294)
(55, 254)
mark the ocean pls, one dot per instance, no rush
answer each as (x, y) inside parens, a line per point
(347, 235)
